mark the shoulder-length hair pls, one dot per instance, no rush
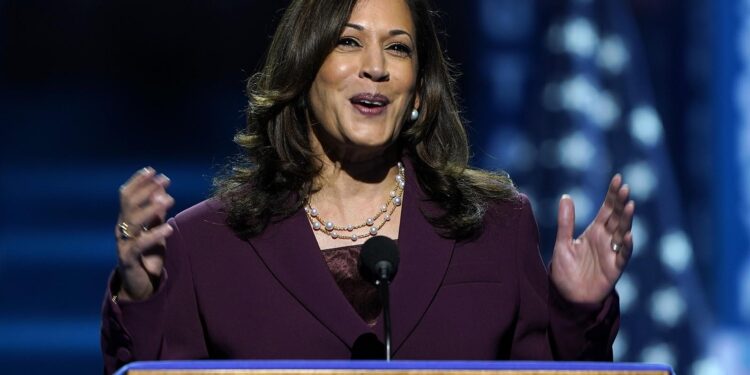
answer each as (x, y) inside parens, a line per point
(273, 174)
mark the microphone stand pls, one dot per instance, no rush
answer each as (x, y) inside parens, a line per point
(379, 263)
(382, 285)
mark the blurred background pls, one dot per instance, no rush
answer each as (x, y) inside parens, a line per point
(560, 93)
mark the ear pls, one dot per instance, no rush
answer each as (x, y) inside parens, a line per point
(417, 96)
(417, 100)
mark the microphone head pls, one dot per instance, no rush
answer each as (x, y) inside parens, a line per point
(378, 259)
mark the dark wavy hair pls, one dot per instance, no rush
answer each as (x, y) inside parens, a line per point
(270, 178)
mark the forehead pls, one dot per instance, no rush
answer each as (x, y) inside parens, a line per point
(383, 14)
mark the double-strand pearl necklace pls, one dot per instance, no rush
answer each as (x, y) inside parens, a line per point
(374, 223)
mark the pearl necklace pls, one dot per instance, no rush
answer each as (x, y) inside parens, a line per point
(385, 210)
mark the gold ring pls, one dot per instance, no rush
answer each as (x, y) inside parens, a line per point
(124, 229)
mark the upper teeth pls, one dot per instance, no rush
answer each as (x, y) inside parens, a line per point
(368, 102)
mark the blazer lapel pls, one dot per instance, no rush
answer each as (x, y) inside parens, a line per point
(290, 251)
(425, 256)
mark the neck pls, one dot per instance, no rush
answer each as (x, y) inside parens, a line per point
(344, 178)
(351, 169)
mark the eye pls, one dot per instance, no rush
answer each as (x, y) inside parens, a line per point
(401, 49)
(348, 42)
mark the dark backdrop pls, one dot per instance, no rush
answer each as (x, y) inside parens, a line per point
(90, 91)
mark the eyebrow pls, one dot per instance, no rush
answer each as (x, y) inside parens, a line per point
(393, 32)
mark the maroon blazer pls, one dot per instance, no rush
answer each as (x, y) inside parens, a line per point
(273, 297)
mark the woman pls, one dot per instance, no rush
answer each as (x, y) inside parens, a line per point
(353, 131)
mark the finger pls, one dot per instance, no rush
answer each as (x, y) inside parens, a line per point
(150, 239)
(626, 221)
(566, 219)
(129, 251)
(139, 197)
(153, 257)
(618, 240)
(623, 194)
(609, 200)
(613, 222)
(620, 199)
(153, 213)
(623, 256)
(615, 218)
(136, 179)
(621, 235)
(621, 218)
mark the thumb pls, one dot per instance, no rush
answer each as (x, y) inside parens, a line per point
(566, 219)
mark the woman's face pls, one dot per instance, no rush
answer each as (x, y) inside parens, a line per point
(366, 87)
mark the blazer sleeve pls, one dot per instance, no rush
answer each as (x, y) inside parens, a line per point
(164, 326)
(548, 326)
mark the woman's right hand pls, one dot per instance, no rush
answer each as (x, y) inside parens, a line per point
(141, 233)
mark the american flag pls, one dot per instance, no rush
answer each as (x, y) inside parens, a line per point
(563, 103)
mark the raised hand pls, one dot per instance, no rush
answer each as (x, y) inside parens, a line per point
(586, 269)
(141, 232)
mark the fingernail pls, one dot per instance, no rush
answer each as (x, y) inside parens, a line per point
(164, 177)
(147, 170)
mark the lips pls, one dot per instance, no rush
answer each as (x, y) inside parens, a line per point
(370, 104)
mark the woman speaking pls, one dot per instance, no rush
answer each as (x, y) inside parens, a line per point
(353, 131)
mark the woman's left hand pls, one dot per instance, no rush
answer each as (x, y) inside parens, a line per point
(586, 269)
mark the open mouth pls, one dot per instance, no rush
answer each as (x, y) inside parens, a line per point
(370, 104)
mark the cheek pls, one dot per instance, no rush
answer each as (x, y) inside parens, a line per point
(405, 80)
(331, 79)
(335, 72)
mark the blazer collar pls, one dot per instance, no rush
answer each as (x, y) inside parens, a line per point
(291, 253)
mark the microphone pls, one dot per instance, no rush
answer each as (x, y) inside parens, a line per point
(378, 259)
(378, 263)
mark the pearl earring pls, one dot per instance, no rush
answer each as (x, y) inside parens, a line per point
(414, 114)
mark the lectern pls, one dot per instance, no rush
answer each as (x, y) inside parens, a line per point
(211, 367)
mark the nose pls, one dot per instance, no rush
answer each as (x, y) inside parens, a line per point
(374, 65)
